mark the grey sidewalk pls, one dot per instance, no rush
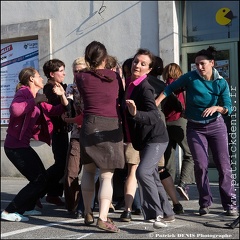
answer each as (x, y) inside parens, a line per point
(55, 223)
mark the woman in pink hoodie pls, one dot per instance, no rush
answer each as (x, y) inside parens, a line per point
(29, 118)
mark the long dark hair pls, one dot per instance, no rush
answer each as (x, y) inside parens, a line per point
(95, 53)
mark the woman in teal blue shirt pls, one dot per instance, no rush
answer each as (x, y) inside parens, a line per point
(207, 99)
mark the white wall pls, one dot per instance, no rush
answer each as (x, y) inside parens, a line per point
(122, 26)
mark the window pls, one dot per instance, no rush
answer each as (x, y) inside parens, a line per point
(210, 20)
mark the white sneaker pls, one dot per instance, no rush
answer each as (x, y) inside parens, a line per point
(14, 217)
(159, 223)
(32, 213)
(151, 220)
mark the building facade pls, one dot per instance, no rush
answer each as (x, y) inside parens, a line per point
(173, 30)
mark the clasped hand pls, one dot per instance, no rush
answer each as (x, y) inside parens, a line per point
(58, 89)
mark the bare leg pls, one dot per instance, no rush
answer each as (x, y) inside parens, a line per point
(170, 189)
(130, 186)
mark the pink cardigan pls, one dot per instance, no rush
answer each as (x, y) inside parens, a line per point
(21, 110)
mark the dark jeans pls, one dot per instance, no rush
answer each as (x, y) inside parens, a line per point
(136, 201)
(60, 142)
(213, 135)
(177, 135)
(27, 161)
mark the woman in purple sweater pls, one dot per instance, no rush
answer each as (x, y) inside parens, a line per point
(101, 137)
(29, 118)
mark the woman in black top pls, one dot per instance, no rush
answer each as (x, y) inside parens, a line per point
(149, 136)
(54, 70)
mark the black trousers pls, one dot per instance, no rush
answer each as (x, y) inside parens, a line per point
(60, 142)
(177, 135)
(29, 164)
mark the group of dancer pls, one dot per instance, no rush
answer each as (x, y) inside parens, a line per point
(115, 122)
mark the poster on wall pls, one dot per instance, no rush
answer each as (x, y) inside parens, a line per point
(14, 57)
(221, 65)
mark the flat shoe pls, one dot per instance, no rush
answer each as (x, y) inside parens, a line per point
(108, 225)
(231, 212)
(88, 219)
(14, 217)
(182, 190)
(159, 223)
(178, 208)
(203, 211)
(126, 216)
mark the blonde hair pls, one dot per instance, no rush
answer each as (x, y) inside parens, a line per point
(79, 61)
(172, 70)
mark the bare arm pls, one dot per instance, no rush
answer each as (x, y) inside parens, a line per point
(159, 99)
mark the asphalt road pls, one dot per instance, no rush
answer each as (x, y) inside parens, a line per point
(55, 223)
